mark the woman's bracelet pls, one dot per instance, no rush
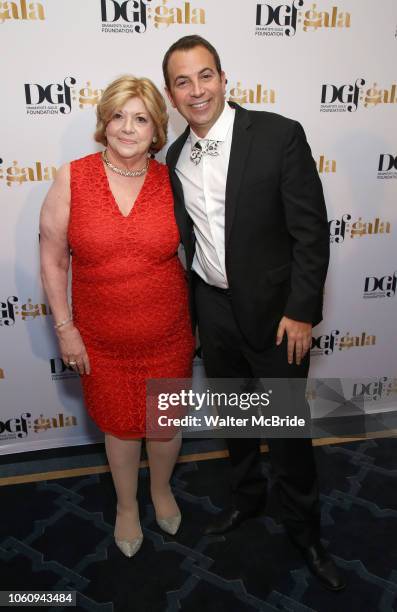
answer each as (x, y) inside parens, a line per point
(62, 323)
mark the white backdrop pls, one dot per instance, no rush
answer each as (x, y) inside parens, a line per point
(330, 66)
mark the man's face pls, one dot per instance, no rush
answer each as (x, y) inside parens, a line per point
(196, 88)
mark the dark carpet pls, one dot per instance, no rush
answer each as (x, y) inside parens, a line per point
(58, 535)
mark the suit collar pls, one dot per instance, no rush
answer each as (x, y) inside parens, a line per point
(175, 149)
(241, 143)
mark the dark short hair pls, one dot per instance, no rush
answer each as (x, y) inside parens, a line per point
(185, 44)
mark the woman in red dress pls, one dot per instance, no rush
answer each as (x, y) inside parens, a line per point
(114, 212)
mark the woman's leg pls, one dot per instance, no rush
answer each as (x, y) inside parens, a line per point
(124, 458)
(162, 458)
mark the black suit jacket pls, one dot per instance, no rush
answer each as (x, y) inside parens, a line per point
(276, 230)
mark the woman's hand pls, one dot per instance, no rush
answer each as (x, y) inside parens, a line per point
(73, 351)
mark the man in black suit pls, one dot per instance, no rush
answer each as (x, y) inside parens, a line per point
(251, 213)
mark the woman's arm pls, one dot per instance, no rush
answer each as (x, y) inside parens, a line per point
(55, 261)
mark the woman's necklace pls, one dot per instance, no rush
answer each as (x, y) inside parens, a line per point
(124, 172)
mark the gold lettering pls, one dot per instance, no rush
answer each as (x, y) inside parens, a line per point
(43, 309)
(326, 165)
(383, 228)
(49, 173)
(272, 97)
(324, 19)
(39, 173)
(33, 6)
(4, 12)
(312, 19)
(29, 173)
(373, 96)
(251, 96)
(258, 93)
(187, 12)
(1, 374)
(32, 11)
(389, 97)
(343, 20)
(346, 341)
(369, 340)
(238, 95)
(198, 16)
(30, 310)
(89, 96)
(15, 174)
(41, 424)
(357, 228)
(163, 15)
(334, 16)
(14, 10)
(70, 421)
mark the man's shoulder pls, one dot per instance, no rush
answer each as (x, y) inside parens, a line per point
(267, 118)
(272, 125)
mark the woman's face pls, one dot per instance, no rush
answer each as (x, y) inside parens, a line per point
(130, 130)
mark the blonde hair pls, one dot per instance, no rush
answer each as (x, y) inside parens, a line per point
(116, 95)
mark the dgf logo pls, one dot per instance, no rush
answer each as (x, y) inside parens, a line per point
(381, 388)
(60, 371)
(129, 11)
(384, 286)
(338, 228)
(278, 19)
(50, 99)
(387, 167)
(325, 344)
(15, 427)
(341, 97)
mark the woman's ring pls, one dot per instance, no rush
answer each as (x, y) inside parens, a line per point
(72, 363)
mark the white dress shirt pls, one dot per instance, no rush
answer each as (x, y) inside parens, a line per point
(204, 188)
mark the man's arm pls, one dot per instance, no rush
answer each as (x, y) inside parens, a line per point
(307, 224)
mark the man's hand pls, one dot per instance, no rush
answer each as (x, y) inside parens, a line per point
(299, 336)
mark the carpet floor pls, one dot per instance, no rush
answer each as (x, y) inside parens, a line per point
(58, 535)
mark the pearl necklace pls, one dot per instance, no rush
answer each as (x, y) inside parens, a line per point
(124, 172)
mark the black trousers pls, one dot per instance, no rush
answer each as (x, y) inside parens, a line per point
(226, 355)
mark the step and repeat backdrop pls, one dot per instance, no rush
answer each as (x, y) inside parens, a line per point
(330, 65)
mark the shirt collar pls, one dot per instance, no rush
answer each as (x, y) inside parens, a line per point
(220, 128)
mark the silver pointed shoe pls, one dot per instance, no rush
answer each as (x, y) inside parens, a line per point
(129, 547)
(171, 524)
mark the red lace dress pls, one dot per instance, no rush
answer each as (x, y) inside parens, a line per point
(129, 294)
